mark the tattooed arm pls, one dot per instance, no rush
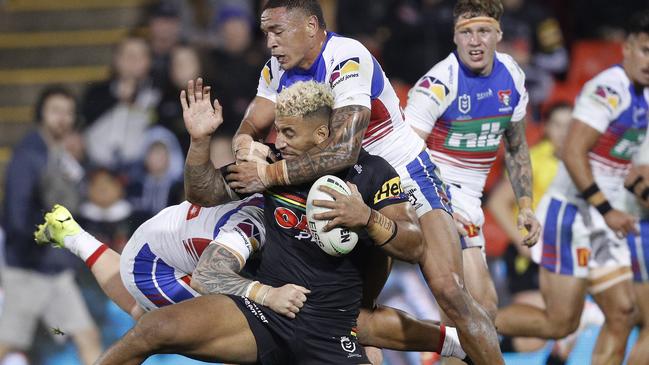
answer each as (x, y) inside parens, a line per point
(217, 272)
(204, 184)
(519, 167)
(339, 151)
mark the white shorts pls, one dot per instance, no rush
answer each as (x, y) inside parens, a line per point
(421, 181)
(576, 241)
(470, 208)
(157, 275)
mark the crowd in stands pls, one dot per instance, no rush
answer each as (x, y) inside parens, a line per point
(123, 160)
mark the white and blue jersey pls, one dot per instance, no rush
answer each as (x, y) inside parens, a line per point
(465, 116)
(356, 78)
(157, 262)
(610, 104)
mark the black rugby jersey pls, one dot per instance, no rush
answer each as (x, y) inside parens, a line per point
(290, 255)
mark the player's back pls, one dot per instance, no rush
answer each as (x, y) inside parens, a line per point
(179, 234)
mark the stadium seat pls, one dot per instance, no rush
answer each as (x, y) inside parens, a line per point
(589, 57)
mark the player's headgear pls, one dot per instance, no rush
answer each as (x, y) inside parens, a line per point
(476, 8)
(309, 7)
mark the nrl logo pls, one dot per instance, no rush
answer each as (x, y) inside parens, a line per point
(347, 344)
(464, 103)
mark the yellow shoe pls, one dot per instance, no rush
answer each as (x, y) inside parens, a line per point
(59, 224)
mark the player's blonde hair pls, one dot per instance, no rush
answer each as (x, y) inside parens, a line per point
(304, 98)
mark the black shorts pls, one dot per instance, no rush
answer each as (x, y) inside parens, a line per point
(303, 340)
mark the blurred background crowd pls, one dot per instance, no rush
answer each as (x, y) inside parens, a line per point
(90, 117)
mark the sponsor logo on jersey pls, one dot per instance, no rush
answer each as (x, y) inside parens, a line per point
(390, 189)
(477, 135)
(583, 254)
(628, 144)
(345, 70)
(193, 211)
(251, 232)
(464, 103)
(267, 73)
(433, 88)
(504, 97)
(606, 96)
(485, 94)
(412, 198)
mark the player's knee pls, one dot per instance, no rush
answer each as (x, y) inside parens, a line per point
(623, 315)
(563, 326)
(451, 296)
(154, 331)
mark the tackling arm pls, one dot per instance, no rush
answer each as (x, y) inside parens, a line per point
(348, 125)
(217, 272)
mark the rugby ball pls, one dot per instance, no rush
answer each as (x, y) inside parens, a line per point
(340, 240)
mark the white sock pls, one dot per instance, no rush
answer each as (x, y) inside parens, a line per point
(82, 244)
(451, 346)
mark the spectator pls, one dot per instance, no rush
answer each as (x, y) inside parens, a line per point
(164, 36)
(221, 150)
(158, 180)
(418, 33)
(37, 281)
(185, 66)
(200, 21)
(235, 65)
(118, 111)
(105, 213)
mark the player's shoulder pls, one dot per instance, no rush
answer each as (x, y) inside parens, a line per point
(512, 66)
(340, 46)
(610, 88)
(613, 77)
(440, 80)
(271, 71)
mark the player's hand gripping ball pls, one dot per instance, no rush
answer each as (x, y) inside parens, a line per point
(340, 240)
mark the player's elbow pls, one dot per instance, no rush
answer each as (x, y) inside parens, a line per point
(196, 285)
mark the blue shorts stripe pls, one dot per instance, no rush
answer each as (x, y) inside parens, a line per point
(422, 172)
(567, 263)
(635, 263)
(165, 277)
(143, 276)
(644, 246)
(549, 254)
